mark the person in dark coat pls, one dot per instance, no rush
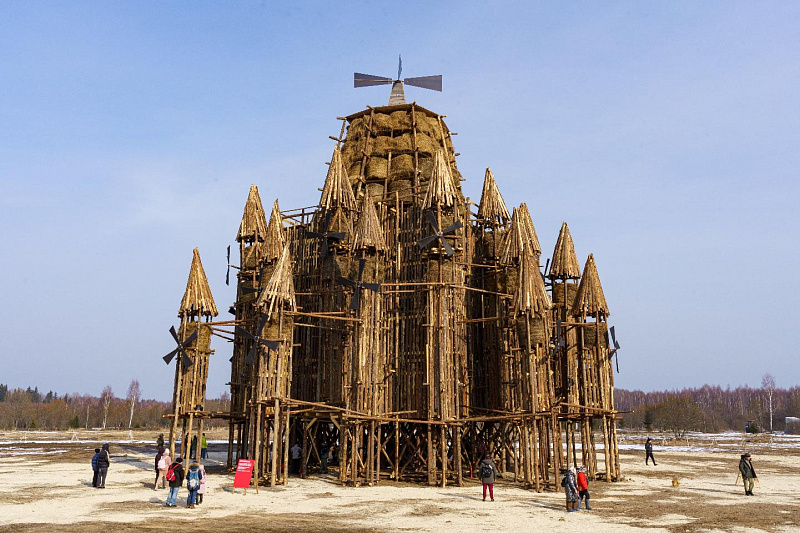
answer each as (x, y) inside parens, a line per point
(158, 458)
(103, 462)
(487, 470)
(94, 467)
(175, 484)
(160, 440)
(748, 473)
(648, 450)
(570, 489)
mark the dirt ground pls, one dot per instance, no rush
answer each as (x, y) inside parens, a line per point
(45, 485)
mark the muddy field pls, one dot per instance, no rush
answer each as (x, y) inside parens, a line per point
(45, 485)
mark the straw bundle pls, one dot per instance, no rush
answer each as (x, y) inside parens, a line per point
(377, 169)
(402, 167)
(280, 287)
(441, 188)
(197, 299)
(381, 124)
(403, 189)
(531, 295)
(337, 190)
(375, 190)
(427, 146)
(590, 300)
(492, 208)
(401, 121)
(368, 234)
(274, 241)
(558, 294)
(254, 223)
(565, 262)
(590, 337)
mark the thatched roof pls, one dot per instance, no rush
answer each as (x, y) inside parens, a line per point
(442, 189)
(565, 262)
(337, 191)
(197, 300)
(520, 237)
(531, 294)
(274, 241)
(493, 209)
(368, 232)
(590, 300)
(280, 287)
(254, 223)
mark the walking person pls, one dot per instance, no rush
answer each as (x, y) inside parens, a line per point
(203, 447)
(570, 489)
(193, 478)
(648, 449)
(175, 480)
(94, 467)
(297, 451)
(202, 490)
(748, 474)
(582, 482)
(160, 440)
(488, 472)
(162, 465)
(103, 462)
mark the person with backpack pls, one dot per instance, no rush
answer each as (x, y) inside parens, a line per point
(175, 480)
(582, 483)
(488, 473)
(202, 490)
(103, 462)
(570, 489)
(162, 465)
(193, 478)
(94, 467)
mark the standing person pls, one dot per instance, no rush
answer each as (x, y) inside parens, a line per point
(94, 467)
(175, 472)
(648, 449)
(162, 466)
(323, 458)
(103, 462)
(157, 459)
(203, 447)
(488, 472)
(748, 473)
(297, 451)
(193, 448)
(202, 489)
(570, 489)
(193, 479)
(160, 440)
(582, 483)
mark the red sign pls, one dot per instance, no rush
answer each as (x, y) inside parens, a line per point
(244, 473)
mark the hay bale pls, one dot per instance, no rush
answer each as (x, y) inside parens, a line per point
(537, 331)
(427, 125)
(402, 144)
(401, 120)
(558, 294)
(427, 146)
(590, 338)
(402, 167)
(381, 124)
(354, 174)
(357, 129)
(402, 188)
(377, 169)
(375, 190)
(381, 146)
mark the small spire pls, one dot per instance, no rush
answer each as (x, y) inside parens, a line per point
(197, 300)
(530, 232)
(337, 191)
(368, 232)
(441, 188)
(590, 300)
(254, 223)
(519, 238)
(280, 287)
(493, 209)
(274, 241)
(531, 294)
(565, 262)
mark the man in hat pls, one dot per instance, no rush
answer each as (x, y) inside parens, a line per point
(748, 473)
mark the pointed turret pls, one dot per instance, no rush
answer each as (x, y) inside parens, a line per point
(493, 209)
(530, 233)
(254, 223)
(520, 237)
(531, 294)
(337, 191)
(280, 287)
(590, 300)
(274, 240)
(565, 262)
(442, 189)
(368, 234)
(197, 300)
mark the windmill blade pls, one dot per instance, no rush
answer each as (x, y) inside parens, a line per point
(434, 83)
(361, 263)
(187, 361)
(368, 80)
(346, 282)
(261, 325)
(355, 303)
(424, 243)
(547, 265)
(374, 287)
(272, 345)
(243, 333)
(228, 273)
(168, 358)
(175, 335)
(614, 339)
(432, 220)
(453, 227)
(251, 355)
(232, 310)
(447, 248)
(337, 236)
(188, 341)
(558, 333)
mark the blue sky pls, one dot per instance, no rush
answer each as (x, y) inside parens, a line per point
(666, 135)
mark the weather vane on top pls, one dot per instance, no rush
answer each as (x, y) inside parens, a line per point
(397, 96)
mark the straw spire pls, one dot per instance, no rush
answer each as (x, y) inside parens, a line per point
(530, 231)
(565, 262)
(280, 287)
(254, 223)
(520, 237)
(368, 232)
(274, 241)
(197, 299)
(442, 190)
(493, 209)
(337, 190)
(590, 300)
(531, 294)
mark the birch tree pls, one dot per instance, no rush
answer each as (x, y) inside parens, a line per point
(133, 399)
(105, 400)
(768, 383)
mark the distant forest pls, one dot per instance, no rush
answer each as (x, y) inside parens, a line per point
(708, 408)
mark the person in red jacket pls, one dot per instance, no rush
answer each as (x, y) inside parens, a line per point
(583, 487)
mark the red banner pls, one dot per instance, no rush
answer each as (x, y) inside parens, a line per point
(244, 473)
